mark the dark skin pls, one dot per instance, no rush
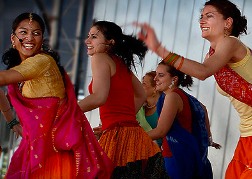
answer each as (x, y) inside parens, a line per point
(31, 34)
(8, 113)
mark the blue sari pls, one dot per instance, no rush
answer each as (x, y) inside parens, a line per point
(189, 150)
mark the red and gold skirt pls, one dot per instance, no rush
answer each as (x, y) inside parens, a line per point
(133, 152)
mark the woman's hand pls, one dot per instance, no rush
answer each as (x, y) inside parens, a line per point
(97, 132)
(18, 130)
(148, 35)
(216, 145)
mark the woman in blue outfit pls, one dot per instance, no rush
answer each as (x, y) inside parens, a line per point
(183, 127)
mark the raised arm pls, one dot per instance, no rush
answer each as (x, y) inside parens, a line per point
(225, 50)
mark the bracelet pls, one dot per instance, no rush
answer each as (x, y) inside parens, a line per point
(12, 123)
(181, 63)
(171, 58)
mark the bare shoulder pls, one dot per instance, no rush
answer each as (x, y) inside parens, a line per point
(173, 101)
(103, 61)
(101, 57)
(229, 42)
(238, 48)
(229, 46)
(172, 97)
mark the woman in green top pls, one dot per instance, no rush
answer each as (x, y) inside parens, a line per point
(150, 106)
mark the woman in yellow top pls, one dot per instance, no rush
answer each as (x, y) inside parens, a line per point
(230, 61)
(57, 140)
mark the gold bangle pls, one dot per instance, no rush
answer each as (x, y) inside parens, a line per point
(171, 58)
(174, 60)
(181, 63)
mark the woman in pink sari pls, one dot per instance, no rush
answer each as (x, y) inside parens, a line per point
(57, 140)
(230, 61)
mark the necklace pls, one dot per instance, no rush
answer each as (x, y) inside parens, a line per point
(150, 107)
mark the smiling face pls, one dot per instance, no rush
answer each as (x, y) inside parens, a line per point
(96, 42)
(32, 38)
(163, 78)
(212, 23)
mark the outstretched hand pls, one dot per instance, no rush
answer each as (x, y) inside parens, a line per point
(148, 36)
(216, 145)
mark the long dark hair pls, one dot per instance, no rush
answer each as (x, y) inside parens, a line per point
(125, 46)
(228, 9)
(11, 56)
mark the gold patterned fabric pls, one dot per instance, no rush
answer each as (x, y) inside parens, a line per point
(123, 145)
(55, 132)
(42, 77)
(133, 153)
(243, 67)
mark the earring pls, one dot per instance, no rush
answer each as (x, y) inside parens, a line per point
(171, 85)
(13, 45)
(42, 47)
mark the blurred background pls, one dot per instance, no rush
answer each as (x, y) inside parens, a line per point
(177, 27)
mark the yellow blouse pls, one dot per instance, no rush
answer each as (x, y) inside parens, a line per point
(42, 77)
(243, 68)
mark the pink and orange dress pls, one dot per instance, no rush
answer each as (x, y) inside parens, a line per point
(57, 140)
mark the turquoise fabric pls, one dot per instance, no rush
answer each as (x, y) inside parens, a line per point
(153, 120)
